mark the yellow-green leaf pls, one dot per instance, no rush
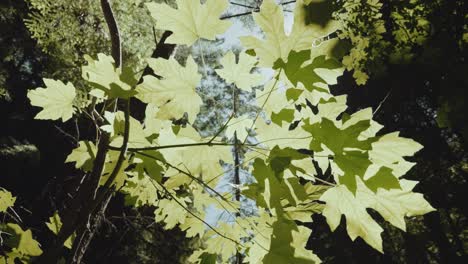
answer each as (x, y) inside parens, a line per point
(340, 201)
(174, 94)
(391, 148)
(106, 78)
(56, 100)
(239, 73)
(277, 44)
(22, 241)
(6, 200)
(392, 204)
(83, 155)
(191, 20)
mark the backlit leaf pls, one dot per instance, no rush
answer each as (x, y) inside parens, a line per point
(56, 100)
(191, 20)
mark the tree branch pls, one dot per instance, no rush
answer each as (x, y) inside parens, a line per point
(116, 43)
(209, 144)
(254, 9)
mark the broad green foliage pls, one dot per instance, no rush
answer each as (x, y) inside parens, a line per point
(364, 45)
(393, 205)
(67, 29)
(239, 73)
(300, 132)
(368, 39)
(175, 93)
(22, 244)
(191, 20)
(56, 100)
(107, 80)
(277, 44)
(296, 71)
(116, 128)
(83, 155)
(287, 246)
(16, 244)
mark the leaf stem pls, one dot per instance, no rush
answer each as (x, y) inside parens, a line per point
(200, 49)
(264, 103)
(193, 214)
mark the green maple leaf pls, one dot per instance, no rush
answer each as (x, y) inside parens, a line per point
(174, 94)
(83, 155)
(106, 78)
(298, 73)
(288, 244)
(277, 45)
(239, 73)
(361, 77)
(349, 153)
(193, 227)
(6, 200)
(393, 205)
(222, 246)
(191, 20)
(281, 159)
(391, 148)
(56, 100)
(140, 189)
(329, 109)
(267, 191)
(336, 139)
(171, 212)
(153, 124)
(22, 241)
(286, 115)
(273, 135)
(116, 127)
(271, 188)
(303, 212)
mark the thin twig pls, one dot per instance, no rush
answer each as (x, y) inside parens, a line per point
(75, 140)
(202, 183)
(381, 102)
(222, 128)
(264, 103)
(209, 144)
(193, 214)
(238, 4)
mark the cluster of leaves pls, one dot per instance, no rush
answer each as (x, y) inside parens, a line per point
(309, 157)
(363, 25)
(67, 30)
(374, 38)
(16, 243)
